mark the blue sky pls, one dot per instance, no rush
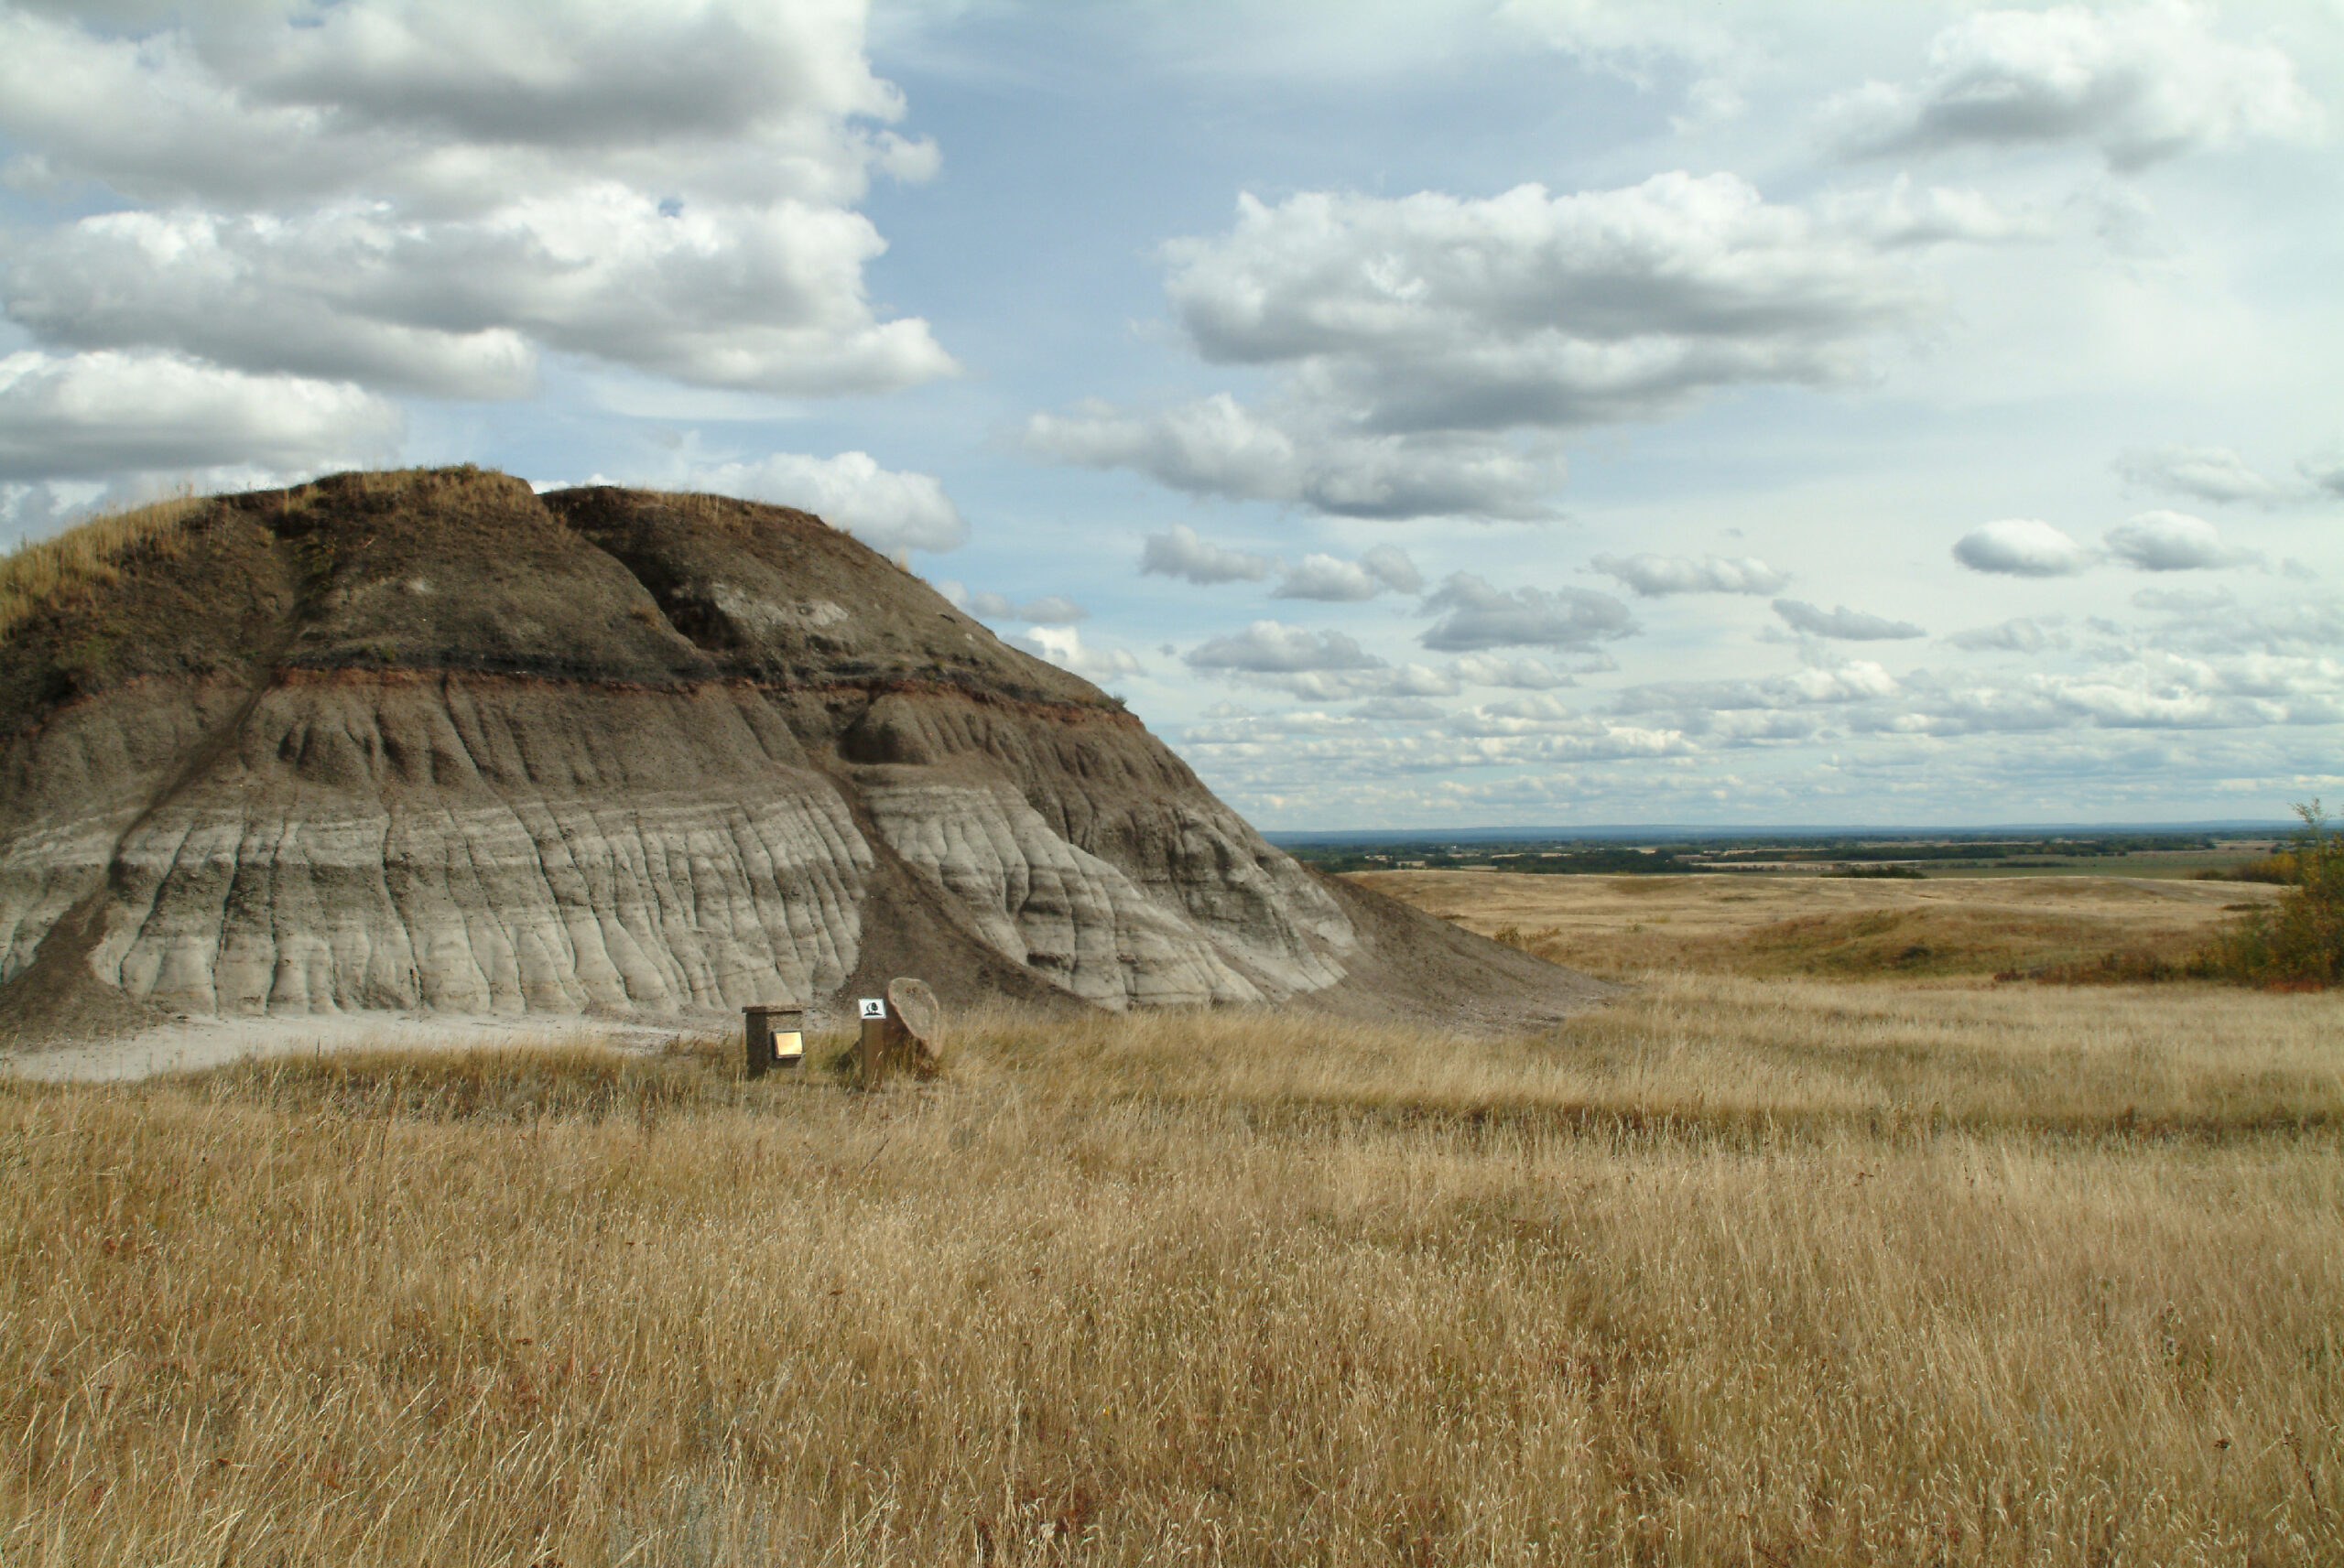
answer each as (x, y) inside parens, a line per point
(1525, 411)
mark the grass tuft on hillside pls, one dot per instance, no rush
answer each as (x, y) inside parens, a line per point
(89, 554)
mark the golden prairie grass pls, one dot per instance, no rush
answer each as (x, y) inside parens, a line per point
(88, 553)
(1729, 1272)
(1832, 928)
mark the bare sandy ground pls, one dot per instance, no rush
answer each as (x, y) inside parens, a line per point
(197, 1043)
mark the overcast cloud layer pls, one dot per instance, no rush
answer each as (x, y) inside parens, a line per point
(1460, 411)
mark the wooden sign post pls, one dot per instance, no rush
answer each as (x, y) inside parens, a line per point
(776, 1037)
(871, 1052)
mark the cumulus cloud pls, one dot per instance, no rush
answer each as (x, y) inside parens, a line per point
(2152, 690)
(2142, 84)
(423, 196)
(1399, 710)
(231, 106)
(716, 295)
(1181, 553)
(1475, 616)
(2208, 473)
(1430, 348)
(1754, 712)
(1525, 675)
(98, 414)
(2184, 601)
(1315, 667)
(1050, 610)
(1318, 752)
(1063, 646)
(1216, 445)
(2151, 685)
(2173, 542)
(2024, 634)
(1842, 623)
(1336, 581)
(1432, 311)
(1390, 565)
(1269, 648)
(1422, 680)
(1901, 214)
(2021, 547)
(1651, 576)
(886, 509)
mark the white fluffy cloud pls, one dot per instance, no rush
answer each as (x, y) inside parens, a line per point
(2021, 547)
(93, 415)
(767, 297)
(242, 105)
(1430, 348)
(1270, 647)
(1216, 445)
(2021, 635)
(1050, 610)
(1064, 647)
(1332, 580)
(2208, 473)
(1316, 666)
(2173, 542)
(1322, 751)
(1475, 616)
(1843, 624)
(1435, 312)
(423, 196)
(886, 509)
(1651, 576)
(1525, 675)
(2142, 83)
(1178, 552)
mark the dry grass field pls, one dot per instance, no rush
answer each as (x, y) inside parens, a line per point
(1828, 926)
(1736, 1271)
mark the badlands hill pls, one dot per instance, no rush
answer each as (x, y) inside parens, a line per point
(428, 742)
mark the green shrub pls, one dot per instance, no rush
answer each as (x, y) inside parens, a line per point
(2297, 941)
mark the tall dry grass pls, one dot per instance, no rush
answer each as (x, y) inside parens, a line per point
(1729, 1273)
(88, 553)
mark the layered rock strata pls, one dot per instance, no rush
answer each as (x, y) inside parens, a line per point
(429, 741)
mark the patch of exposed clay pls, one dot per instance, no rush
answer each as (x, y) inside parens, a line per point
(768, 619)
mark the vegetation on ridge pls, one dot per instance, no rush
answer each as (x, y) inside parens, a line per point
(2299, 939)
(89, 554)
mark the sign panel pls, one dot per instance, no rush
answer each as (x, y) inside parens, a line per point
(874, 1007)
(789, 1045)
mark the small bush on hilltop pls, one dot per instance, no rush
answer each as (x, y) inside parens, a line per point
(2299, 939)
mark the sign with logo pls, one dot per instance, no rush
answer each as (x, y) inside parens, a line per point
(874, 1007)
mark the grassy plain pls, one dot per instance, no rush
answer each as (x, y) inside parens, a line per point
(1750, 1270)
(1829, 926)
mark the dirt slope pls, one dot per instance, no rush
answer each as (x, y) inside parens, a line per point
(430, 742)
